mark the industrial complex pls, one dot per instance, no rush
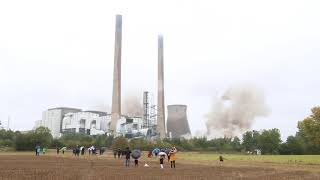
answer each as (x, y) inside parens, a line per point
(151, 125)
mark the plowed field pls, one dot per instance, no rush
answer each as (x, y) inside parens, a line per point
(30, 167)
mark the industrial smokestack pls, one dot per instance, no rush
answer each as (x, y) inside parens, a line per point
(160, 114)
(146, 123)
(177, 122)
(116, 93)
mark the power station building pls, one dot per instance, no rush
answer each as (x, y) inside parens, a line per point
(72, 120)
(52, 119)
(152, 124)
(86, 122)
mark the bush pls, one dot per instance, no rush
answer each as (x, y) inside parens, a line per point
(23, 142)
(119, 143)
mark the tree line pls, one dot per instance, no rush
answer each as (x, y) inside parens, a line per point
(267, 141)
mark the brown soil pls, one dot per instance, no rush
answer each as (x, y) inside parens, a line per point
(29, 167)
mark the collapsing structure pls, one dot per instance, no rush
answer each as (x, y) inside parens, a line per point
(177, 122)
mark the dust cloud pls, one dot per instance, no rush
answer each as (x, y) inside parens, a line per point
(132, 106)
(235, 111)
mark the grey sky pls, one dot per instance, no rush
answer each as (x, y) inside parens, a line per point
(60, 53)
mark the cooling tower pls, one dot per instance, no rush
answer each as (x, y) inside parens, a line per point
(177, 122)
(116, 93)
(160, 111)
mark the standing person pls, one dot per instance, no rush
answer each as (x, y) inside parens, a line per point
(93, 150)
(58, 150)
(119, 153)
(136, 154)
(162, 157)
(37, 150)
(115, 153)
(150, 154)
(167, 151)
(127, 154)
(173, 157)
(89, 149)
(136, 162)
(220, 158)
(44, 150)
(82, 151)
(77, 150)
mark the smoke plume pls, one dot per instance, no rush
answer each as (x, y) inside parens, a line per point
(235, 111)
(102, 107)
(132, 106)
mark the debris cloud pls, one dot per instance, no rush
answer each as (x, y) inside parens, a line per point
(132, 106)
(235, 111)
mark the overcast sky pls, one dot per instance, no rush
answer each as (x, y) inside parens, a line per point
(60, 53)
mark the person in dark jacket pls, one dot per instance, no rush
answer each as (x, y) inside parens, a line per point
(115, 153)
(162, 157)
(136, 162)
(127, 153)
(220, 158)
(119, 153)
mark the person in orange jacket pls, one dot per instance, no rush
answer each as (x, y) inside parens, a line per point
(173, 157)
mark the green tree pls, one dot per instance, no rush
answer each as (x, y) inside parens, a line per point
(236, 144)
(109, 140)
(41, 136)
(7, 138)
(250, 140)
(57, 143)
(23, 142)
(269, 141)
(100, 141)
(309, 128)
(119, 142)
(141, 144)
(200, 143)
(73, 139)
(293, 145)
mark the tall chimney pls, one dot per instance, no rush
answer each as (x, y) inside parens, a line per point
(116, 93)
(160, 114)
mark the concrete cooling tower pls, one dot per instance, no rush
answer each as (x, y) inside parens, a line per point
(177, 122)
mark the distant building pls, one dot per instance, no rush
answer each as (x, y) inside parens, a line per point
(128, 125)
(85, 122)
(37, 124)
(52, 119)
(133, 127)
(71, 120)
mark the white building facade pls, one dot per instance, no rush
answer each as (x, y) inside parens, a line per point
(131, 127)
(86, 122)
(71, 120)
(52, 119)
